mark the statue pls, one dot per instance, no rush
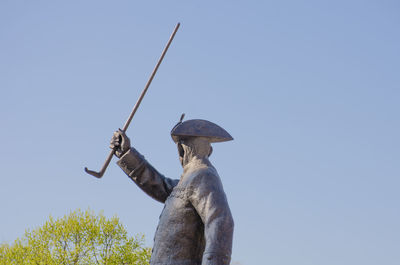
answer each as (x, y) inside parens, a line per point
(196, 225)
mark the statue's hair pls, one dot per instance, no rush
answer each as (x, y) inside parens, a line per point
(195, 147)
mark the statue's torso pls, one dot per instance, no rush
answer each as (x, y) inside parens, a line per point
(179, 238)
(196, 224)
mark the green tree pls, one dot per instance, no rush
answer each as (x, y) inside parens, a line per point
(77, 238)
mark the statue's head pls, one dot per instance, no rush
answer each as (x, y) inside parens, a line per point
(194, 138)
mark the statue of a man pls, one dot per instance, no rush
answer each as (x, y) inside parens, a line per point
(196, 225)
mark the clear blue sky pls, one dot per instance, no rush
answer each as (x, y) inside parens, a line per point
(310, 91)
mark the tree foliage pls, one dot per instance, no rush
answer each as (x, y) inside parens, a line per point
(77, 238)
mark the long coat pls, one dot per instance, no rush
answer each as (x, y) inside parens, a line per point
(196, 225)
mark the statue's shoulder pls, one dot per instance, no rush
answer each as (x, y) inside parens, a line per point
(203, 178)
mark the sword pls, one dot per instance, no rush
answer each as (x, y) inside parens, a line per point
(128, 121)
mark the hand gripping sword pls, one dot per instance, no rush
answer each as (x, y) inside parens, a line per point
(128, 121)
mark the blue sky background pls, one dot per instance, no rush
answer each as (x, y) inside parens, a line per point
(309, 90)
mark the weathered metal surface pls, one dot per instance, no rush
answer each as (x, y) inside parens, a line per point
(200, 128)
(196, 225)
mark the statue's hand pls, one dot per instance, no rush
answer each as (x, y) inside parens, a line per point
(120, 143)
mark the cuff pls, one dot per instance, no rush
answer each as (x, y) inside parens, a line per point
(131, 162)
(213, 258)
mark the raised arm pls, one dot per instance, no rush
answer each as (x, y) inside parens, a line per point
(139, 170)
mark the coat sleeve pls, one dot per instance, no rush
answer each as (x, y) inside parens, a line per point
(146, 176)
(208, 198)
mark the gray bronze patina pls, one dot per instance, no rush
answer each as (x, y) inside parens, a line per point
(196, 225)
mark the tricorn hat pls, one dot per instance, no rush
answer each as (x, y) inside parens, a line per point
(199, 128)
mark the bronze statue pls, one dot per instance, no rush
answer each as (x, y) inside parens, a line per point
(196, 225)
